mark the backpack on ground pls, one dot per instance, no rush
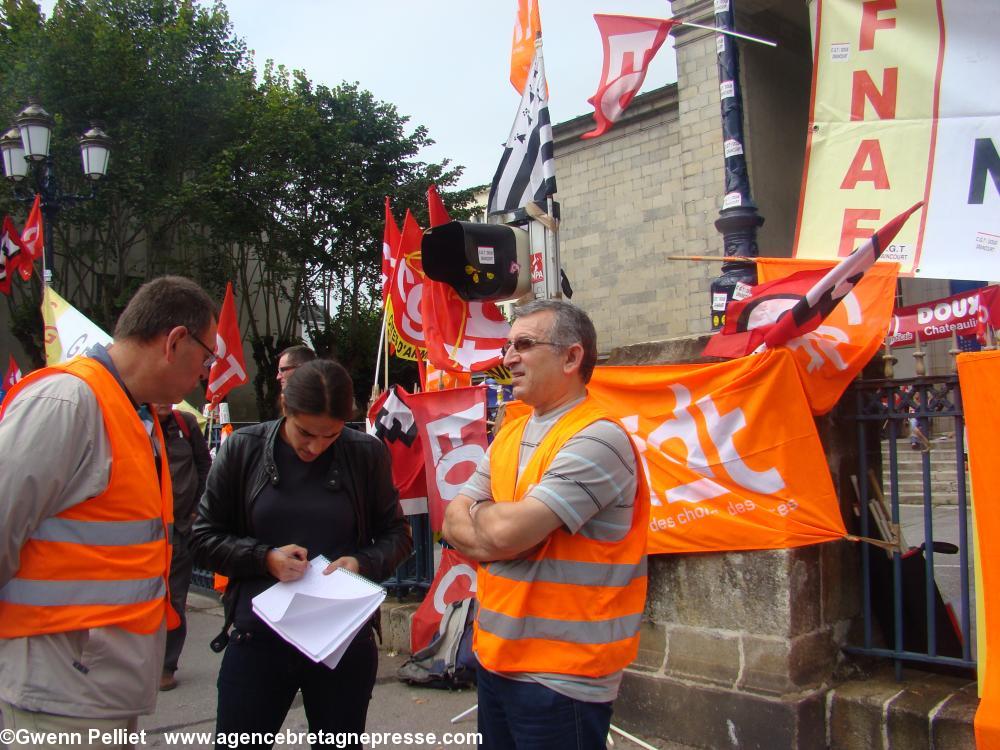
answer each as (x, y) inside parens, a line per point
(447, 662)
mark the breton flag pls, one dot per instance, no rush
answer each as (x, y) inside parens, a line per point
(527, 171)
(784, 309)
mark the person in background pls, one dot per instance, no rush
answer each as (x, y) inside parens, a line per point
(291, 359)
(280, 493)
(187, 453)
(556, 514)
(85, 508)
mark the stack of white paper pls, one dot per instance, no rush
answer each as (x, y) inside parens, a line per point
(318, 614)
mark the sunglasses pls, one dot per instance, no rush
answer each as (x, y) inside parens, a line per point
(523, 344)
(211, 359)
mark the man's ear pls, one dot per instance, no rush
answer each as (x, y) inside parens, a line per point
(170, 342)
(574, 357)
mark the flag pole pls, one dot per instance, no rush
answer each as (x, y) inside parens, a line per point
(749, 38)
(378, 357)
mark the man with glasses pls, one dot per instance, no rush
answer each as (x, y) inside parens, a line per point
(556, 514)
(292, 358)
(85, 520)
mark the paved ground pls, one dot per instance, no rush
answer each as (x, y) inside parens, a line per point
(395, 707)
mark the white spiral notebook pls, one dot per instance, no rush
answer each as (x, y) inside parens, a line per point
(318, 614)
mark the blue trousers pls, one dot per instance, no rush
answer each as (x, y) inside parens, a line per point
(260, 676)
(517, 715)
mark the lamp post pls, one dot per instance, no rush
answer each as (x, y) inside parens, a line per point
(738, 220)
(25, 150)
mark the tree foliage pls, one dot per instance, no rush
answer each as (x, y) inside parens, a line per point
(272, 181)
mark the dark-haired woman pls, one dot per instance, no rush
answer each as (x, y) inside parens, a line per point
(280, 493)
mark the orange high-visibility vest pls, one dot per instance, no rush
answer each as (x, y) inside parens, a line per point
(574, 605)
(106, 560)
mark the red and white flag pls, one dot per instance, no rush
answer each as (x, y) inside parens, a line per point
(33, 238)
(787, 308)
(629, 45)
(452, 427)
(230, 369)
(454, 581)
(390, 242)
(13, 374)
(408, 287)
(391, 421)
(12, 255)
(460, 336)
(527, 26)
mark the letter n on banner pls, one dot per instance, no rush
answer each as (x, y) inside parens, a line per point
(453, 430)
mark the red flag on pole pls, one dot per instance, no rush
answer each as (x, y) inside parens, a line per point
(390, 243)
(407, 286)
(526, 27)
(392, 422)
(629, 45)
(460, 336)
(13, 374)
(33, 236)
(230, 369)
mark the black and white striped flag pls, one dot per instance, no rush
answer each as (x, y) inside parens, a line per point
(527, 170)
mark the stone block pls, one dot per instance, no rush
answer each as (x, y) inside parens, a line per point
(856, 712)
(840, 581)
(952, 727)
(780, 666)
(396, 619)
(707, 716)
(703, 655)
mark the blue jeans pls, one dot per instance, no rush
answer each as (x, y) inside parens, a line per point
(517, 715)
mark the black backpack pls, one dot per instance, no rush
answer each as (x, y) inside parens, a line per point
(447, 663)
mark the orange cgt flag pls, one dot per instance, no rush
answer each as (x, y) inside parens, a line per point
(230, 368)
(832, 355)
(730, 451)
(527, 26)
(978, 375)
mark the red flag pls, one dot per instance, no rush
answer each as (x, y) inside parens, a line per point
(391, 420)
(390, 242)
(629, 45)
(787, 308)
(408, 287)
(454, 581)
(33, 236)
(966, 313)
(13, 374)
(12, 256)
(230, 369)
(460, 336)
(527, 26)
(452, 427)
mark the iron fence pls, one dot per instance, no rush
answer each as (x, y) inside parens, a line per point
(905, 617)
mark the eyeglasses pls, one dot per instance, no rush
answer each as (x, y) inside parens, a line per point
(523, 344)
(211, 359)
(287, 368)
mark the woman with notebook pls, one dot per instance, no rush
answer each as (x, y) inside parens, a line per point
(279, 494)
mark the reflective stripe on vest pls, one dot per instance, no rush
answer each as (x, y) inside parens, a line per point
(103, 561)
(62, 593)
(568, 571)
(574, 606)
(571, 631)
(105, 533)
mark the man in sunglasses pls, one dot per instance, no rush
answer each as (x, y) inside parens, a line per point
(85, 520)
(291, 359)
(556, 514)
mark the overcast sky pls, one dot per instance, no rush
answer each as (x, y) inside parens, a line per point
(445, 63)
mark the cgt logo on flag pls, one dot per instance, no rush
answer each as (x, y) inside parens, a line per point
(229, 370)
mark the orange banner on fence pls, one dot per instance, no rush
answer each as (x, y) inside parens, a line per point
(830, 357)
(731, 453)
(978, 375)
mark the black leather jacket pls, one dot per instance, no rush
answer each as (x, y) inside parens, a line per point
(223, 538)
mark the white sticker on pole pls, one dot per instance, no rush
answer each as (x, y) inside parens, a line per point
(486, 255)
(727, 89)
(732, 147)
(732, 200)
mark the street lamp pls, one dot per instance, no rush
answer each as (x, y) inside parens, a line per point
(25, 150)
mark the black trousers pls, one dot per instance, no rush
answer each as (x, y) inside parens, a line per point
(261, 674)
(181, 567)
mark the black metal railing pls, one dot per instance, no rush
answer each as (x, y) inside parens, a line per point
(900, 591)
